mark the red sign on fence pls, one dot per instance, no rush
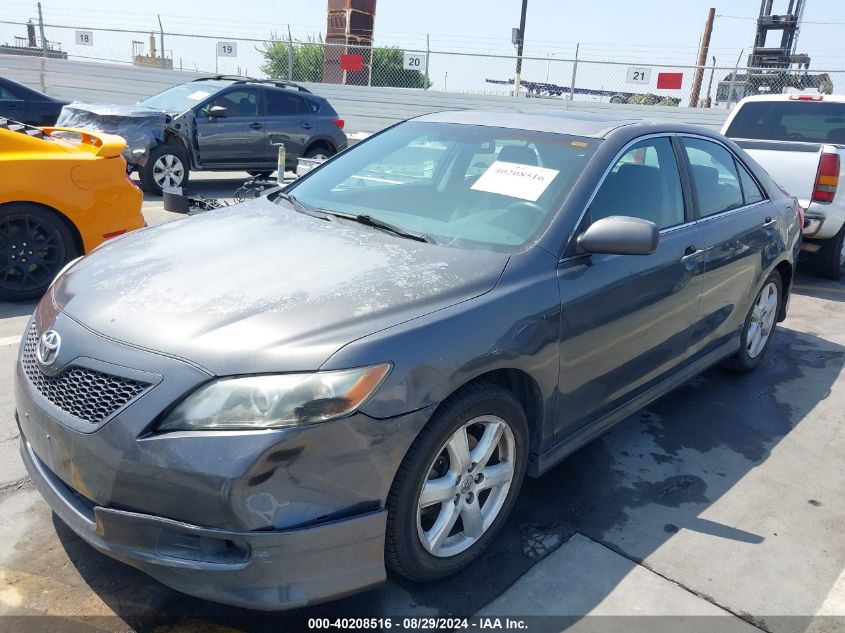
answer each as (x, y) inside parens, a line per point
(670, 81)
(352, 62)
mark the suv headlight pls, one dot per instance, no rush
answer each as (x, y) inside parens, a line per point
(274, 401)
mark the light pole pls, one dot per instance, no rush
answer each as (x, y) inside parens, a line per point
(520, 41)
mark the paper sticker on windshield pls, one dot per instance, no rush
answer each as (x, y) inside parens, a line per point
(199, 95)
(516, 180)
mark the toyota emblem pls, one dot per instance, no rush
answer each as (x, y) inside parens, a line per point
(48, 347)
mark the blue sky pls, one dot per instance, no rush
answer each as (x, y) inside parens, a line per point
(656, 31)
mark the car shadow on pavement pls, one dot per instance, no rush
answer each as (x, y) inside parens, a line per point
(16, 309)
(818, 288)
(634, 490)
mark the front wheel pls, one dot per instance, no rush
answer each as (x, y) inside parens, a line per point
(167, 166)
(457, 484)
(759, 326)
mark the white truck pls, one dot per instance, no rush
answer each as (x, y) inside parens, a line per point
(800, 140)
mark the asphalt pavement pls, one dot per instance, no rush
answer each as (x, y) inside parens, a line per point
(724, 502)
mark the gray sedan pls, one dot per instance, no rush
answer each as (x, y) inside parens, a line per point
(269, 405)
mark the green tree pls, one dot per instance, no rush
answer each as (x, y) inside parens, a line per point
(308, 64)
(307, 60)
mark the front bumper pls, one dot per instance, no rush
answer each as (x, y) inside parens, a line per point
(259, 570)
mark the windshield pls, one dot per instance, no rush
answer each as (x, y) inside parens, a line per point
(466, 185)
(181, 98)
(803, 121)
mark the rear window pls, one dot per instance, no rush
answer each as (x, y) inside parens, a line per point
(801, 121)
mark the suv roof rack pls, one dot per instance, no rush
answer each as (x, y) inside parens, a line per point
(240, 79)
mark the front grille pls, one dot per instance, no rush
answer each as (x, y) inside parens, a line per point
(86, 394)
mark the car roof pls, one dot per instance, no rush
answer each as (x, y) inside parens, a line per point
(555, 121)
(817, 98)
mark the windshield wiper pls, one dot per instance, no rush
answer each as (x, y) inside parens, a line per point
(368, 220)
(301, 207)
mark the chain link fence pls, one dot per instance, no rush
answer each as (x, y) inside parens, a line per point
(549, 76)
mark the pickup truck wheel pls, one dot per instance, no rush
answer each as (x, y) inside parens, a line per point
(34, 246)
(759, 326)
(829, 261)
(457, 484)
(166, 166)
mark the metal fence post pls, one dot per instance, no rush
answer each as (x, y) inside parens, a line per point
(161, 31)
(574, 72)
(733, 80)
(370, 69)
(290, 55)
(427, 58)
(41, 30)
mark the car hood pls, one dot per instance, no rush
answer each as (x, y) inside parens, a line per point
(259, 287)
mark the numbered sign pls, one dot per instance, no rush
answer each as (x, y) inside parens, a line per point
(414, 61)
(227, 49)
(85, 38)
(638, 75)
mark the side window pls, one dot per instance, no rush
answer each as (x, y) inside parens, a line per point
(644, 183)
(750, 188)
(714, 175)
(242, 102)
(5, 93)
(282, 103)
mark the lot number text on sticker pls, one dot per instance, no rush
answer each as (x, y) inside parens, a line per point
(516, 180)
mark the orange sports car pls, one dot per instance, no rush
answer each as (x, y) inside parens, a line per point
(62, 192)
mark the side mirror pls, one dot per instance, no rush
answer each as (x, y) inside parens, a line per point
(217, 112)
(620, 235)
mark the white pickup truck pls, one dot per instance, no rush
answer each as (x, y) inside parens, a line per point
(800, 140)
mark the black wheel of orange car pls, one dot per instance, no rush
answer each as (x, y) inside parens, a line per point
(34, 246)
(829, 262)
(760, 324)
(457, 484)
(167, 166)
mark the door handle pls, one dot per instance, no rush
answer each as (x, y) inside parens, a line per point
(255, 126)
(692, 254)
(306, 126)
(769, 222)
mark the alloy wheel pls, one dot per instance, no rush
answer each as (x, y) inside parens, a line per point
(466, 486)
(168, 171)
(32, 252)
(762, 319)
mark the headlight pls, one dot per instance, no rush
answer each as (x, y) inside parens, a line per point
(274, 401)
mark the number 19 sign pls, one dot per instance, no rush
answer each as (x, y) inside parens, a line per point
(227, 49)
(414, 61)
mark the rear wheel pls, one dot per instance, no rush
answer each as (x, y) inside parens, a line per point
(167, 166)
(35, 244)
(829, 261)
(759, 326)
(320, 152)
(457, 484)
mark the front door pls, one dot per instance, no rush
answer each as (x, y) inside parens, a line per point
(235, 138)
(627, 319)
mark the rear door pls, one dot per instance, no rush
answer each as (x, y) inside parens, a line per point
(627, 319)
(738, 221)
(289, 119)
(237, 139)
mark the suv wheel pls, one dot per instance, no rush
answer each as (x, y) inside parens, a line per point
(759, 326)
(457, 484)
(829, 261)
(34, 246)
(166, 166)
(320, 152)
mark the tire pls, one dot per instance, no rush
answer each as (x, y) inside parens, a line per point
(261, 175)
(154, 174)
(35, 244)
(750, 353)
(482, 408)
(829, 261)
(319, 151)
